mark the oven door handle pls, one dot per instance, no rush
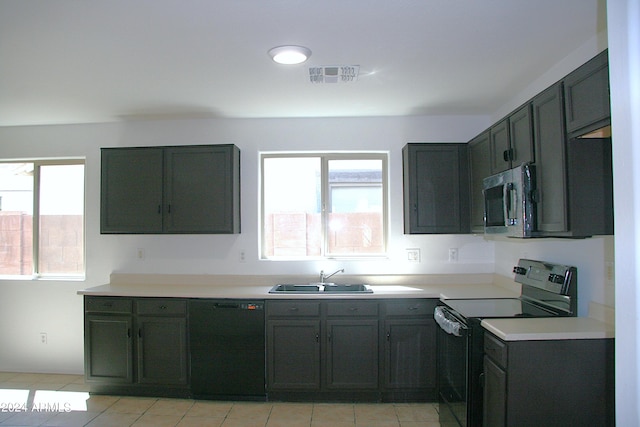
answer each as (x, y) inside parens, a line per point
(447, 323)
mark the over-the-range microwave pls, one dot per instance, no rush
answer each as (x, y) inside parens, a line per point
(509, 206)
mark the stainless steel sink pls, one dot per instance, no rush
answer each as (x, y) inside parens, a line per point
(310, 288)
(358, 287)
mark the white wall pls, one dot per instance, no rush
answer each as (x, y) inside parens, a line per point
(30, 307)
(624, 68)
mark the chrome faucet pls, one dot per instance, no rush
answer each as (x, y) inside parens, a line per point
(323, 277)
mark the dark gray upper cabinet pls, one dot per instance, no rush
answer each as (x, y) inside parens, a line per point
(551, 181)
(479, 169)
(185, 189)
(512, 141)
(574, 177)
(131, 190)
(500, 146)
(587, 96)
(436, 188)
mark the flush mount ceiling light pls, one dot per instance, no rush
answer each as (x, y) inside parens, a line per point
(290, 55)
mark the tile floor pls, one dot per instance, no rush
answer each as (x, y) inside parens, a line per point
(62, 400)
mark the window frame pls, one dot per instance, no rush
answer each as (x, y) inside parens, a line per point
(35, 273)
(325, 201)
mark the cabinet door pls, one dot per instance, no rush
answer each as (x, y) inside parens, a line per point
(352, 354)
(131, 190)
(500, 157)
(521, 136)
(108, 349)
(587, 96)
(410, 353)
(495, 395)
(202, 189)
(550, 161)
(480, 168)
(162, 350)
(436, 184)
(293, 354)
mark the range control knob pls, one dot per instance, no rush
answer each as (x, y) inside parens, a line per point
(556, 278)
(519, 270)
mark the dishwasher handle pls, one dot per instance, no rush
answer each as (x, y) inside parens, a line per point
(232, 305)
(447, 323)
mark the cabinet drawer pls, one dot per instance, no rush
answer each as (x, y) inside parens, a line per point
(107, 305)
(352, 308)
(155, 306)
(495, 349)
(416, 307)
(293, 308)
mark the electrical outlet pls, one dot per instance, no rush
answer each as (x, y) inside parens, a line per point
(609, 273)
(140, 254)
(43, 337)
(453, 254)
(242, 256)
(413, 255)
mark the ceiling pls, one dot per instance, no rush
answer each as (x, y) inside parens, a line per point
(85, 61)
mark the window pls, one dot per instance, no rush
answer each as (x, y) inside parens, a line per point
(42, 218)
(323, 205)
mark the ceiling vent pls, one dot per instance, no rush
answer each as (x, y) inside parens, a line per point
(334, 74)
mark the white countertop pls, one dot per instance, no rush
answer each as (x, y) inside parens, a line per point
(410, 286)
(549, 328)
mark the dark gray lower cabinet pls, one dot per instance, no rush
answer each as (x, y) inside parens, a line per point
(321, 348)
(293, 354)
(548, 383)
(367, 350)
(339, 349)
(409, 350)
(108, 348)
(136, 345)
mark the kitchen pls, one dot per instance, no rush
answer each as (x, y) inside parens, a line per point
(58, 310)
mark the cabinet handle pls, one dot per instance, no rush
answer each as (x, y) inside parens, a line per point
(505, 155)
(352, 309)
(128, 332)
(140, 333)
(329, 337)
(317, 337)
(159, 209)
(481, 377)
(293, 308)
(169, 208)
(388, 336)
(414, 308)
(163, 307)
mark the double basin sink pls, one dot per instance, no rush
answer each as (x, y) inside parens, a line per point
(311, 288)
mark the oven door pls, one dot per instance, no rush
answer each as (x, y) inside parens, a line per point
(453, 369)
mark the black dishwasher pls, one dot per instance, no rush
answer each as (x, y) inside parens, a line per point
(227, 349)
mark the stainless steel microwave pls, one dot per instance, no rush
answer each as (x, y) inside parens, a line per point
(509, 206)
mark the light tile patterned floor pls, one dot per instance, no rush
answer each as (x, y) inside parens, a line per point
(62, 400)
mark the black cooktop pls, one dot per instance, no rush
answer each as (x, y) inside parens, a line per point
(497, 307)
(547, 290)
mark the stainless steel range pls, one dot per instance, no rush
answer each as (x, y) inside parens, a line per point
(547, 290)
